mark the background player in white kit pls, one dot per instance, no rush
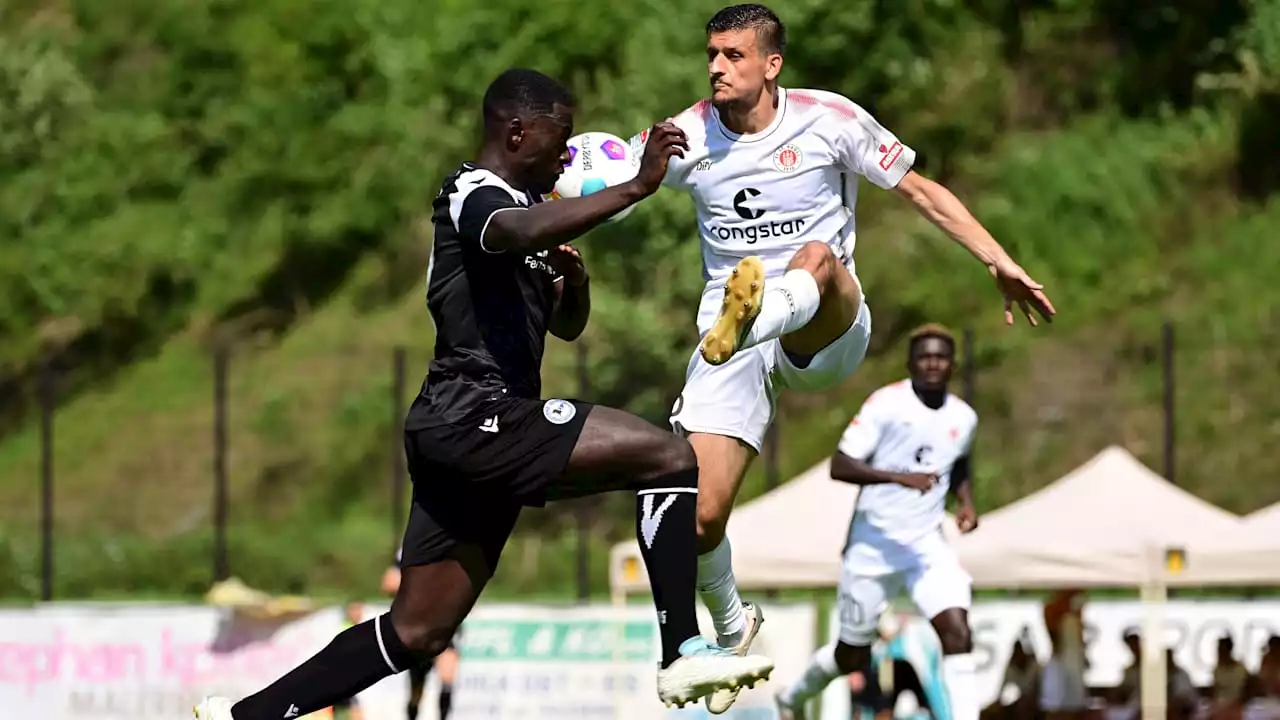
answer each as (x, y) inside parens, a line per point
(773, 174)
(908, 446)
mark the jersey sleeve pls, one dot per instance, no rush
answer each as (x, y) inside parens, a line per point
(964, 445)
(860, 439)
(869, 149)
(474, 204)
(691, 121)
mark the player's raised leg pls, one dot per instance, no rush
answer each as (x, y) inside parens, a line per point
(620, 450)
(814, 302)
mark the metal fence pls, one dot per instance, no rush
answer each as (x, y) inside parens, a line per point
(262, 430)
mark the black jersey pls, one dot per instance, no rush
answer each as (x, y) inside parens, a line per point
(491, 308)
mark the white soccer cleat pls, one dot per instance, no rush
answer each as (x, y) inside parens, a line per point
(213, 708)
(704, 668)
(743, 294)
(721, 700)
(787, 712)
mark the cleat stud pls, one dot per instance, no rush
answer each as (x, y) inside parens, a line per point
(754, 285)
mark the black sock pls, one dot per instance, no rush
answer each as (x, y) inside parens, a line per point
(666, 526)
(412, 711)
(446, 701)
(353, 661)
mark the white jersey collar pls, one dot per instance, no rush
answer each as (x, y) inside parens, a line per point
(753, 137)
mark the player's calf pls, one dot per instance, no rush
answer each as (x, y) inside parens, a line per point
(958, 666)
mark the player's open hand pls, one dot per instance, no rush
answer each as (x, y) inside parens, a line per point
(967, 518)
(1019, 289)
(665, 140)
(568, 262)
(923, 482)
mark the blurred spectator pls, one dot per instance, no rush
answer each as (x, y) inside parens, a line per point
(1063, 693)
(1264, 703)
(1269, 669)
(1020, 689)
(446, 663)
(1181, 697)
(1230, 682)
(1127, 693)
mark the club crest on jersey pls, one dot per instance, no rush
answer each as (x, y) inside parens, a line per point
(558, 412)
(788, 158)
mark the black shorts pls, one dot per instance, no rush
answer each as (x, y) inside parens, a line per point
(472, 477)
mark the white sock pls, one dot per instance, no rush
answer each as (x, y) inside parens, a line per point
(959, 673)
(820, 672)
(719, 592)
(789, 303)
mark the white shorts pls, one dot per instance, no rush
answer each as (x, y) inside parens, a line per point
(933, 579)
(737, 399)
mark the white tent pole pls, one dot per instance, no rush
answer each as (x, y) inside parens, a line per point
(1154, 676)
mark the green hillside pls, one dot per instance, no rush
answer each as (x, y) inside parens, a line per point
(183, 176)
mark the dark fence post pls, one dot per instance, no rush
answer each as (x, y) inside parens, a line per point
(398, 517)
(48, 404)
(221, 361)
(582, 510)
(966, 359)
(1167, 355)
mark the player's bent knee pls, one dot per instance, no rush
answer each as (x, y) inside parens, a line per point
(421, 638)
(852, 658)
(711, 527)
(955, 638)
(817, 258)
(675, 456)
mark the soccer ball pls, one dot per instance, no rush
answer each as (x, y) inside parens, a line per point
(597, 160)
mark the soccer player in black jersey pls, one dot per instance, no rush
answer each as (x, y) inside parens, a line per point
(480, 442)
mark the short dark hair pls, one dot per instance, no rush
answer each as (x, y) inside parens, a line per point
(930, 330)
(522, 92)
(771, 31)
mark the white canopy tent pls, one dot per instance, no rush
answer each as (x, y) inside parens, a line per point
(1108, 523)
(1268, 516)
(1105, 524)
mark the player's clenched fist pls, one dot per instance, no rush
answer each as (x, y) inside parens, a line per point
(665, 140)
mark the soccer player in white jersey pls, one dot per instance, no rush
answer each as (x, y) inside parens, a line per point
(907, 447)
(774, 175)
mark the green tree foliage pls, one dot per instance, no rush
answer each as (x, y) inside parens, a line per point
(217, 168)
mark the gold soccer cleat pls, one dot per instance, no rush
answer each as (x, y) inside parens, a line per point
(743, 292)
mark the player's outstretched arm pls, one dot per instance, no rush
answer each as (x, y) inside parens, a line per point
(551, 224)
(858, 472)
(948, 213)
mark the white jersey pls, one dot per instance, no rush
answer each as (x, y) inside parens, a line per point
(896, 432)
(768, 193)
